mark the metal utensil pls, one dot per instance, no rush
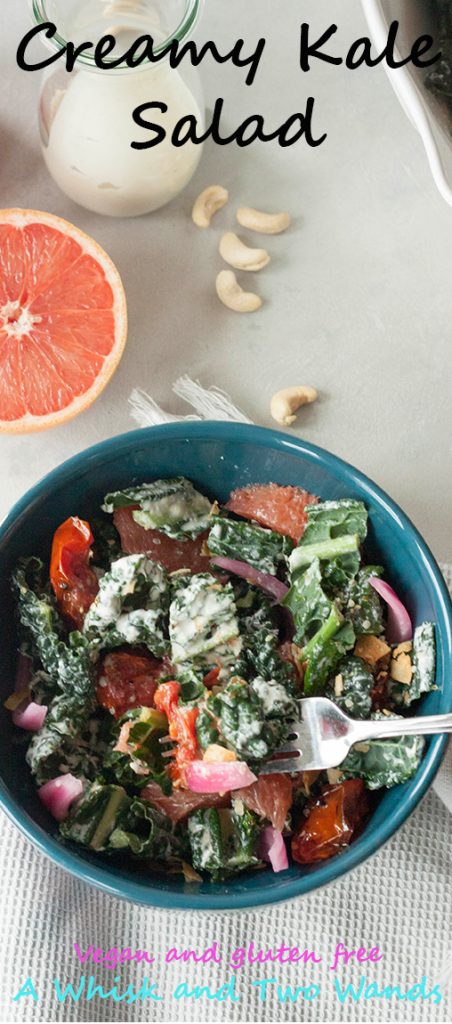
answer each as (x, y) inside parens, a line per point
(324, 734)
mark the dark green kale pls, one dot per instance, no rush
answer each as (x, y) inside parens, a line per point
(147, 763)
(352, 689)
(172, 506)
(361, 604)
(224, 842)
(424, 667)
(64, 742)
(108, 819)
(320, 627)
(191, 682)
(206, 728)
(334, 532)
(107, 545)
(130, 607)
(144, 831)
(263, 549)
(254, 608)
(252, 717)
(69, 669)
(68, 665)
(323, 655)
(260, 657)
(385, 762)
(310, 606)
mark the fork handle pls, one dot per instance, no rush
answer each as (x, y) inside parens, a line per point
(422, 726)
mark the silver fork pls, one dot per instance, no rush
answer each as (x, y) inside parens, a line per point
(324, 734)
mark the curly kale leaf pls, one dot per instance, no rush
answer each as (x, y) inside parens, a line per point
(65, 743)
(107, 545)
(146, 763)
(385, 762)
(309, 604)
(333, 534)
(323, 655)
(108, 819)
(61, 742)
(172, 506)
(361, 604)
(424, 667)
(203, 622)
(207, 731)
(263, 549)
(260, 657)
(223, 843)
(69, 674)
(141, 829)
(320, 627)
(252, 717)
(191, 682)
(352, 691)
(253, 606)
(130, 606)
(68, 665)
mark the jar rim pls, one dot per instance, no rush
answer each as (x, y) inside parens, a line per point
(57, 42)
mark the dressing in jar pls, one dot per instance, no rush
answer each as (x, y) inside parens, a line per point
(86, 115)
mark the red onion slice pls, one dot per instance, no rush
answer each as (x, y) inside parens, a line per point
(399, 622)
(58, 795)
(211, 777)
(31, 717)
(272, 848)
(257, 578)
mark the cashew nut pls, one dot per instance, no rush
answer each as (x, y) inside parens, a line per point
(239, 255)
(208, 203)
(264, 223)
(232, 295)
(285, 403)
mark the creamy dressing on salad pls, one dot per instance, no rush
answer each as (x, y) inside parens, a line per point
(190, 622)
(202, 617)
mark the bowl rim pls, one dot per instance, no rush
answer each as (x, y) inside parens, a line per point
(368, 844)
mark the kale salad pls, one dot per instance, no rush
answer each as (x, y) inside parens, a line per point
(162, 649)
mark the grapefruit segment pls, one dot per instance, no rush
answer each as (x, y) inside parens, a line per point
(173, 554)
(270, 796)
(63, 320)
(280, 508)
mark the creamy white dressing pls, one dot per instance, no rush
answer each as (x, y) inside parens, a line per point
(202, 617)
(126, 575)
(184, 510)
(271, 693)
(90, 129)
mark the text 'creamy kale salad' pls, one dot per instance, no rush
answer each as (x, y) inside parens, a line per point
(161, 656)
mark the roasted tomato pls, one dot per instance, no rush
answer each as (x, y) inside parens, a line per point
(332, 822)
(73, 581)
(211, 678)
(182, 728)
(280, 508)
(127, 681)
(173, 554)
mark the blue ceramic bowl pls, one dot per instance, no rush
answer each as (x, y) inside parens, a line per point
(217, 457)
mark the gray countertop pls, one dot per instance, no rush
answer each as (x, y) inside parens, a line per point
(357, 298)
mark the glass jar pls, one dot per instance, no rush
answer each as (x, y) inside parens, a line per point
(86, 116)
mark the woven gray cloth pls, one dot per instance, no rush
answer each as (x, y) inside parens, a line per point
(399, 900)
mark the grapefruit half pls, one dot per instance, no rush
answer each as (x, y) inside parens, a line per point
(63, 320)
